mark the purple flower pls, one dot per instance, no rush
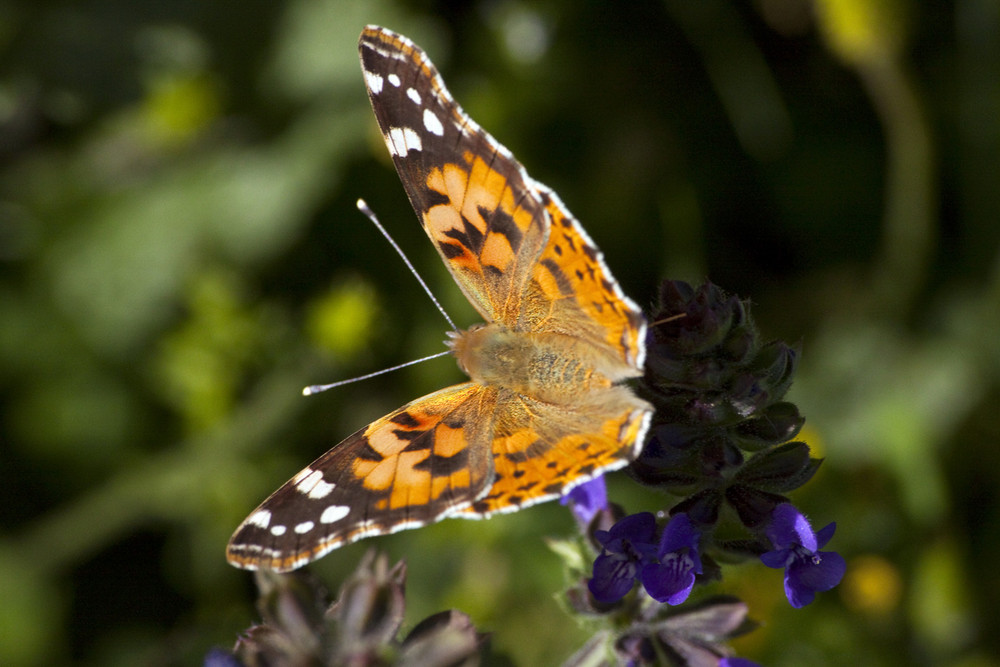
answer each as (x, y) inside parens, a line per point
(796, 548)
(587, 499)
(672, 578)
(628, 546)
(737, 662)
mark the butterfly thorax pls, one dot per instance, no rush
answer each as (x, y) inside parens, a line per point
(552, 367)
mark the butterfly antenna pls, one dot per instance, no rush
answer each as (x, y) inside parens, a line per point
(363, 207)
(671, 318)
(317, 388)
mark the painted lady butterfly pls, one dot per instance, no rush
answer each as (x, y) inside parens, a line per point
(543, 410)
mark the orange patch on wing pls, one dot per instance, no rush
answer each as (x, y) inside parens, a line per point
(436, 181)
(460, 479)
(449, 441)
(548, 284)
(410, 487)
(381, 475)
(492, 190)
(497, 252)
(515, 443)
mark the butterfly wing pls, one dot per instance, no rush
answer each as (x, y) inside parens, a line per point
(541, 450)
(585, 299)
(513, 247)
(414, 466)
(472, 197)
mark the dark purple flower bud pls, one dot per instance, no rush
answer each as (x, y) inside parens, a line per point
(695, 634)
(703, 507)
(371, 604)
(781, 469)
(672, 578)
(706, 317)
(446, 638)
(300, 628)
(630, 544)
(779, 422)
(775, 365)
(797, 549)
(754, 506)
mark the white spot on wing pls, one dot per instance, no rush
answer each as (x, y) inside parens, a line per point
(278, 531)
(304, 527)
(433, 123)
(260, 519)
(334, 513)
(413, 95)
(402, 140)
(374, 82)
(321, 490)
(313, 485)
(394, 80)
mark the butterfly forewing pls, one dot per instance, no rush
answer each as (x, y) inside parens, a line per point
(470, 194)
(410, 468)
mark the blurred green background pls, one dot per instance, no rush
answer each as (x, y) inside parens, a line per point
(180, 254)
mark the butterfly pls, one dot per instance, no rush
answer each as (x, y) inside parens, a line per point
(544, 408)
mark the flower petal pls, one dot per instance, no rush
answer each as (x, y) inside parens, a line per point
(816, 573)
(679, 534)
(587, 499)
(821, 574)
(737, 662)
(613, 578)
(671, 582)
(639, 527)
(797, 597)
(824, 534)
(776, 559)
(790, 527)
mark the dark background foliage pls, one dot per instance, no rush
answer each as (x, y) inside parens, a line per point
(180, 253)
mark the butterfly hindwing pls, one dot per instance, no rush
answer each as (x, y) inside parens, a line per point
(540, 451)
(571, 268)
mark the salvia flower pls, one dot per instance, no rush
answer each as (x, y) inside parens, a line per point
(627, 547)
(586, 500)
(671, 579)
(721, 430)
(797, 549)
